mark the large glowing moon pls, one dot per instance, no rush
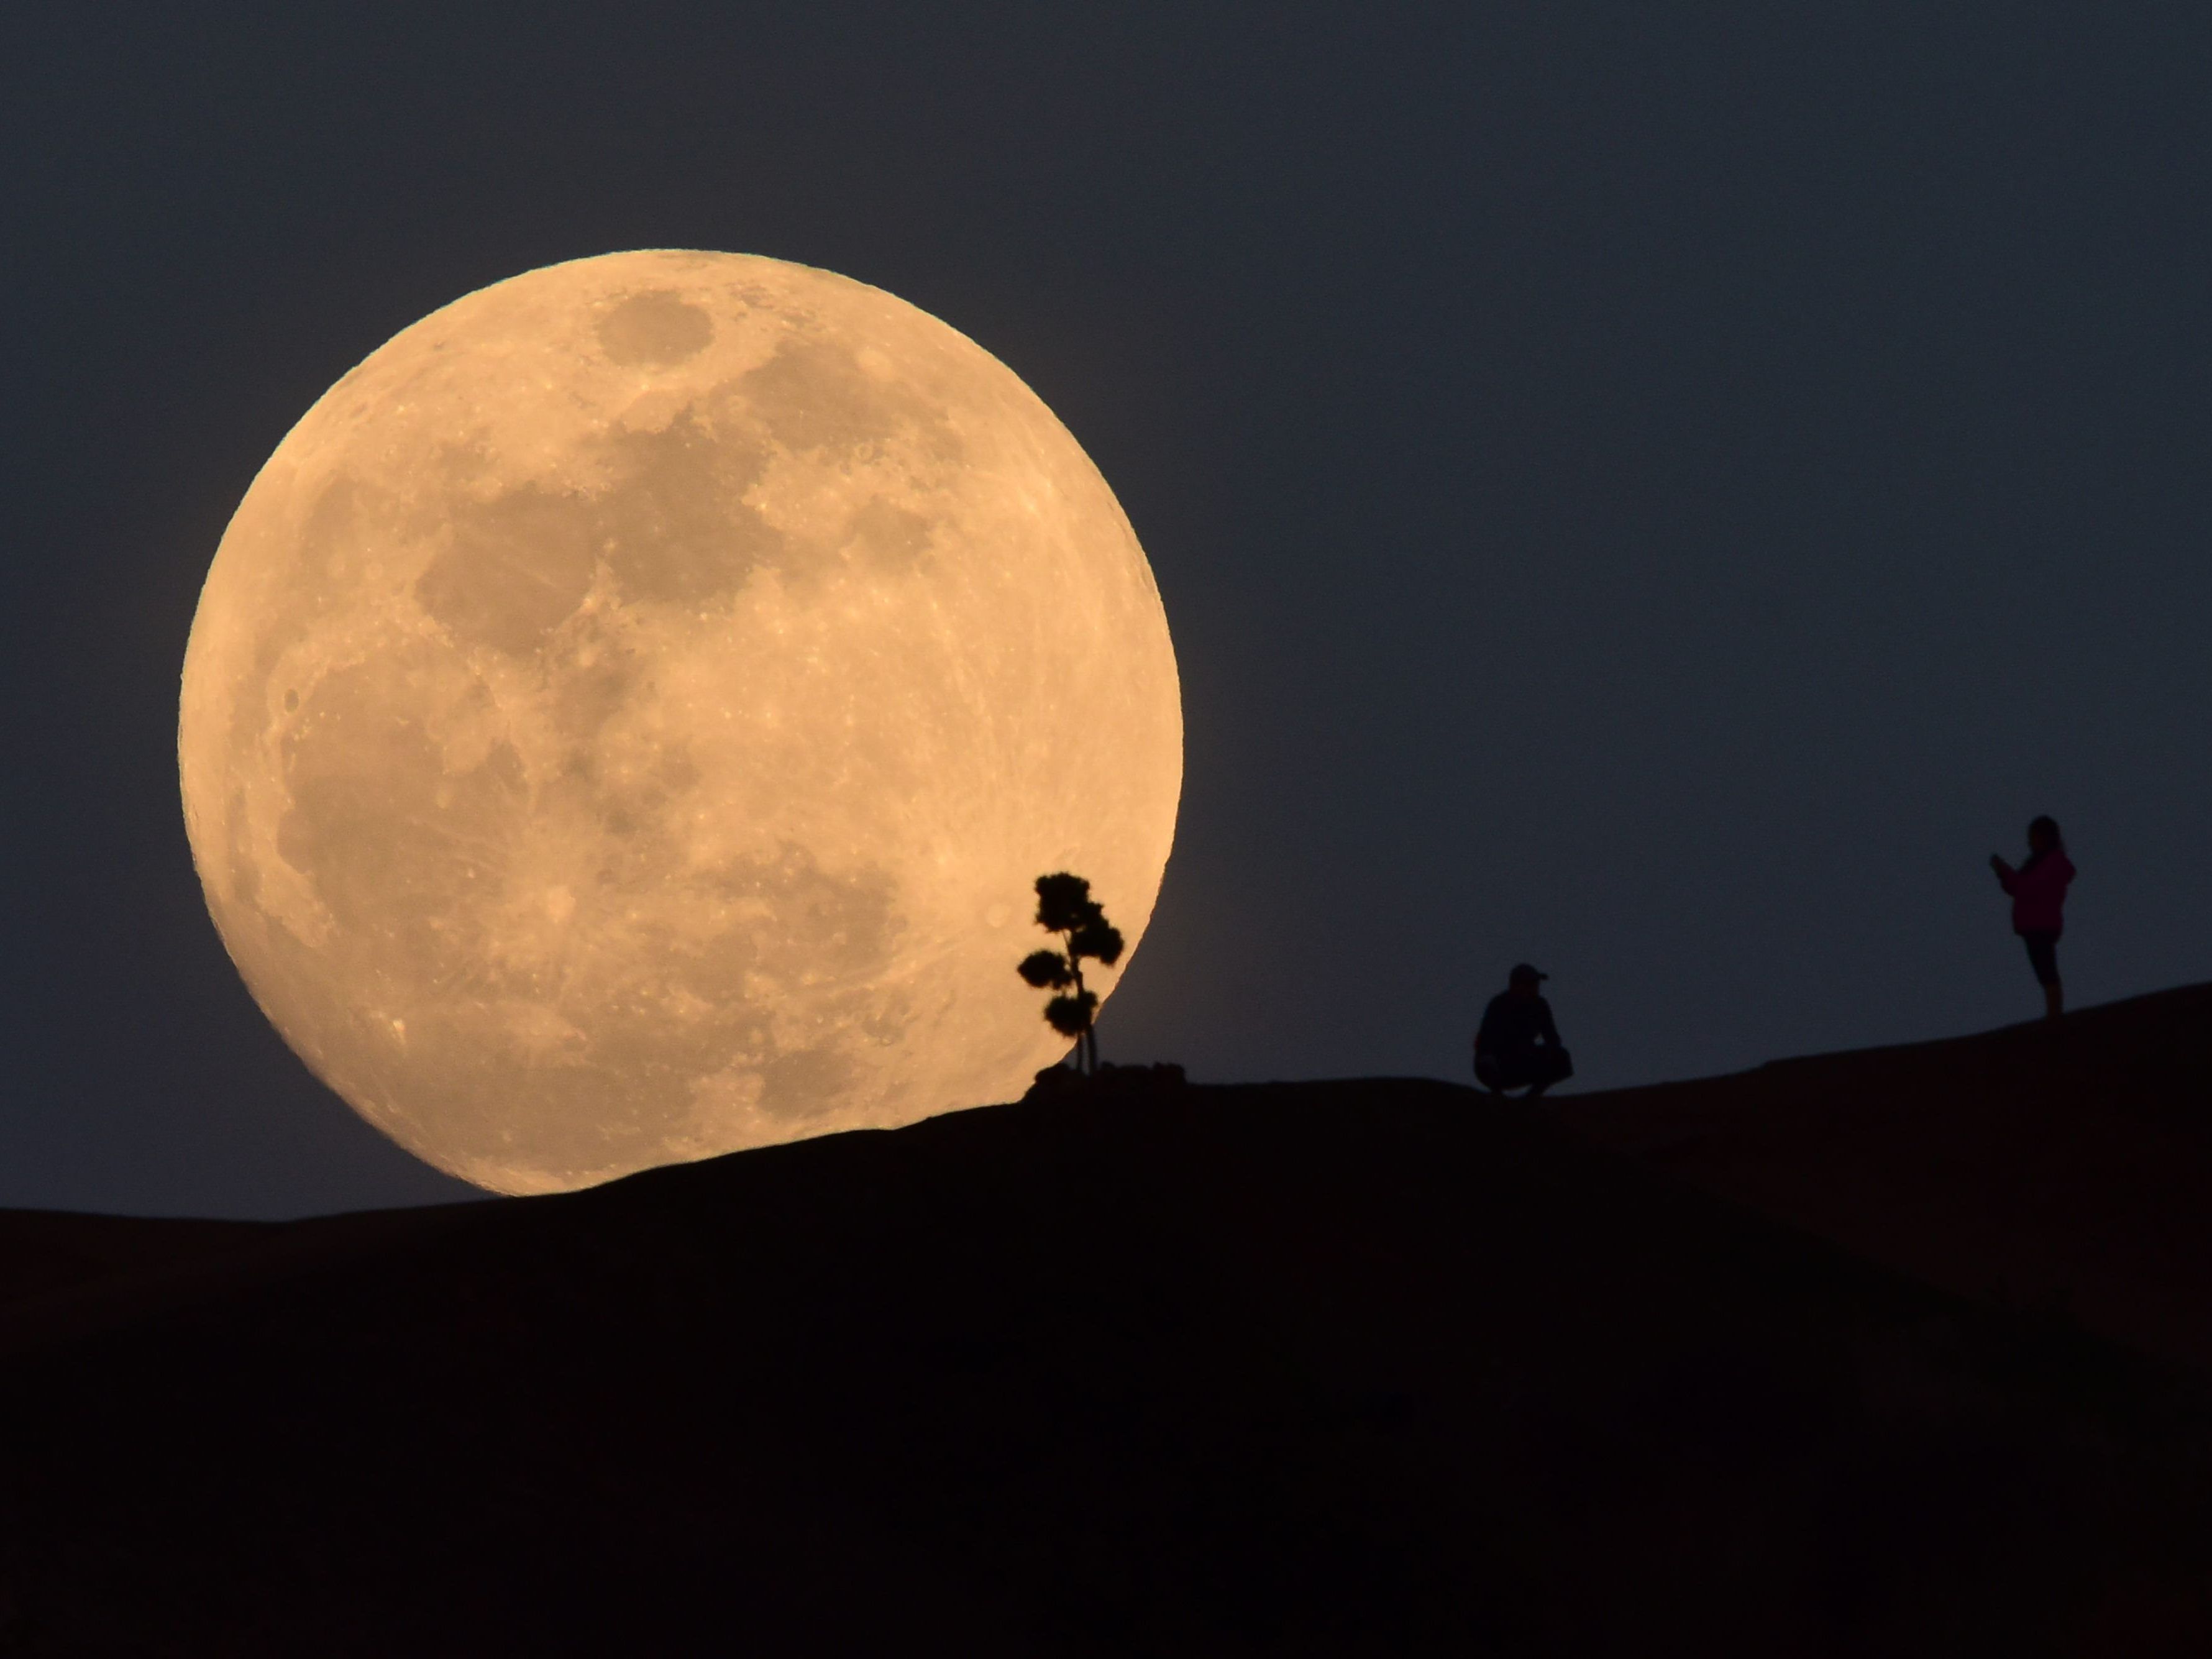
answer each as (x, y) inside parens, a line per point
(625, 718)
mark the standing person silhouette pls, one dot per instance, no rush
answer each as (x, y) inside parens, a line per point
(1518, 1045)
(2038, 904)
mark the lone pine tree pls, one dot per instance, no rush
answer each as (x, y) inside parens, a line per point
(1065, 907)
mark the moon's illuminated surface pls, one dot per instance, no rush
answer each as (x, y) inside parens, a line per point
(627, 713)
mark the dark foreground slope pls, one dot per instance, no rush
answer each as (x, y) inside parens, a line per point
(1332, 1368)
(2067, 1169)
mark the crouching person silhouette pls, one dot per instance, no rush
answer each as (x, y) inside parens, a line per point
(1518, 1046)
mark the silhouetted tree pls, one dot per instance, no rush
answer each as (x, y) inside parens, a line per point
(1065, 907)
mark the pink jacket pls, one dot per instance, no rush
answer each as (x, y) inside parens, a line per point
(2038, 892)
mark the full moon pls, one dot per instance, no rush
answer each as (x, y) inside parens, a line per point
(626, 714)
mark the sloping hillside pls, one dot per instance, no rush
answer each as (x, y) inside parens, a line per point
(2065, 1169)
(1330, 1368)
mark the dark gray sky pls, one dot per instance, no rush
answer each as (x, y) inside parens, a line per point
(1662, 490)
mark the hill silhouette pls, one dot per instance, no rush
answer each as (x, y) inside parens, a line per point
(1377, 1367)
(2066, 1168)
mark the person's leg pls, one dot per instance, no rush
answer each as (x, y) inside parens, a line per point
(1552, 1066)
(1510, 1074)
(1487, 1074)
(2043, 956)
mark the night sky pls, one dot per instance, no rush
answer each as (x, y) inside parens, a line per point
(1663, 491)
